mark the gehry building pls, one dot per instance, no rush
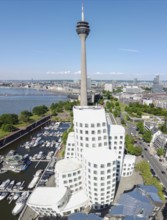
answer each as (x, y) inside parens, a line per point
(94, 158)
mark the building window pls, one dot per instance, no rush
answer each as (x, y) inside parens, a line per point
(93, 132)
(104, 130)
(86, 126)
(103, 124)
(92, 125)
(121, 137)
(98, 124)
(80, 124)
(86, 132)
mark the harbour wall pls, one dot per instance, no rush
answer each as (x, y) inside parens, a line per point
(4, 142)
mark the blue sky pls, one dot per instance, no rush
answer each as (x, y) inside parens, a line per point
(38, 40)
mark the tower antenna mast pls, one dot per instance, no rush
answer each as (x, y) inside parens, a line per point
(82, 16)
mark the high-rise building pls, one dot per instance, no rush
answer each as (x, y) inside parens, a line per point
(94, 157)
(157, 86)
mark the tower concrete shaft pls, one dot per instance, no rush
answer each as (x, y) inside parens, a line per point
(83, 95)
(83, 31)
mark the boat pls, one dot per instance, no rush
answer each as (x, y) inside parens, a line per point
(4, 184)
(20, 203)
(11, 184)
(16, 195)
(35, 179)
(3, 195)
(17, 186)
(10, 196)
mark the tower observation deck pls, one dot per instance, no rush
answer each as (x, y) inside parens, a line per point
(83, 30)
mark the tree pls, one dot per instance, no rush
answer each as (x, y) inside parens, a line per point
(140, 127)
(40, 110)
(8, 127)
(147, 136)
(164, 126)
(160, 152)
(25, 116)
(9, 119)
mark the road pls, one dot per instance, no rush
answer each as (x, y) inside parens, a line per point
(156, 167)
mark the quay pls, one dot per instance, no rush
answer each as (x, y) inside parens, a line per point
(23, 132)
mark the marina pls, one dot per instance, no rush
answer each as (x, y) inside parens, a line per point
(39, 149)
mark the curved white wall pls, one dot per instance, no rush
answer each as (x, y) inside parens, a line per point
(99, 176)
(90, 128)
(70, 146)
(68, 173)
(128, 165)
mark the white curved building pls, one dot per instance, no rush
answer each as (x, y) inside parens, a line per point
(99, 176)
(128, 165)
(70, 146)
(90, 128)
(116, 144)
(68, 173)
(49, 201)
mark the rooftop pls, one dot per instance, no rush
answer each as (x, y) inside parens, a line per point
(89, 114)
(99, 155)
(46, 196)
(76, 200)
(67, 165)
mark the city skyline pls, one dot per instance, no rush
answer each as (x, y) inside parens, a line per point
(127, 39)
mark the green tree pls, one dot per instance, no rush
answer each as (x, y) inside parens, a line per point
(140, 127)
(160, 152)
(40, 110)
(164, 127)
(147, 136)
(9, 119)
(25, 116)
(8, 127)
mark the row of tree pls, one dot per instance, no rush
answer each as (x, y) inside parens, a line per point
(144, 169)
(138, 109)
(146, 134)
(130, 147)
(9, 121)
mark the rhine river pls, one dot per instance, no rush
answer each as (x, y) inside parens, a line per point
(15, 100)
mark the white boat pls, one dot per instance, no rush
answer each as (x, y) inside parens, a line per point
(10, 196)
(35, 179)
(17, 186)
(16, 195)
(11, 184)
(20, 203)
(4, 184)
(3, 195)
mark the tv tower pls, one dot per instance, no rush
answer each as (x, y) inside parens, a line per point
(83, 30)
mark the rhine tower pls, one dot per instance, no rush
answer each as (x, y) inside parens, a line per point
(83, 30)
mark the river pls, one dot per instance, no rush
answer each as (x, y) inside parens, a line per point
(15, 100)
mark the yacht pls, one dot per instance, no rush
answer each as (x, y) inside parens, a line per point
(16, 195)
(35, 179)
(4, 184)
(20, 203)
(11, 184)
(17, 186)
(3, 195)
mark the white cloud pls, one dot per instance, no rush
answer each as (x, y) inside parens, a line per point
(99, 73)
(58, 73)
(111, 73)
(116, 73)
(77, 72)
(130, 50)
